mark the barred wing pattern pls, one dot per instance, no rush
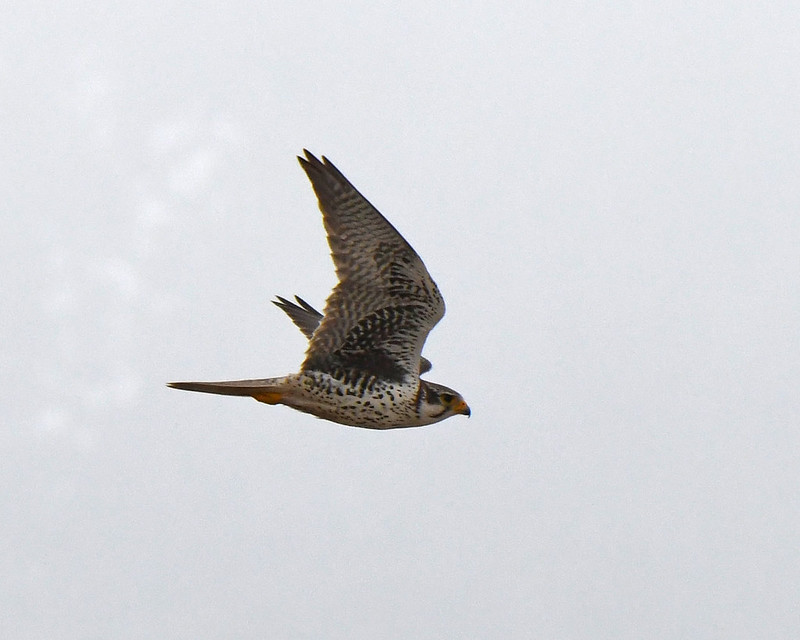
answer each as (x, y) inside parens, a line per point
(378, 316)
(306, 318)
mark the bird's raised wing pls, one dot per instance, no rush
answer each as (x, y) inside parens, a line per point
(307, 319)
(378, 316)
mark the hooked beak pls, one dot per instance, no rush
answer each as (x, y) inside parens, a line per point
(462, 408)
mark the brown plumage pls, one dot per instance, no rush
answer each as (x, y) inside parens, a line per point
(363, 361)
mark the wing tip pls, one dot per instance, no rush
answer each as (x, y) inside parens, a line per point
(321, 165)
(300, 303)
(310, 159)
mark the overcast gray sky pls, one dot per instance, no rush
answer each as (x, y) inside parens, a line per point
(607, 195)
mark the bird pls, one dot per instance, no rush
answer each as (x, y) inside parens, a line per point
(364, 358)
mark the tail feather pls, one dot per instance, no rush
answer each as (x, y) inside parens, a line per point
(232, 387)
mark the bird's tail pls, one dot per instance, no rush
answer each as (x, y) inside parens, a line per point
(269, 390)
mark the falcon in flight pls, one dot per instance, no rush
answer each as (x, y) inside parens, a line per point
(363, 362)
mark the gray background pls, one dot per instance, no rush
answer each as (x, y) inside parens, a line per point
(608, 197)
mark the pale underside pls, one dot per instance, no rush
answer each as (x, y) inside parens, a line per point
(363, 359)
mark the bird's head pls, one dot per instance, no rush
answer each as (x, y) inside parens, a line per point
(437, 402)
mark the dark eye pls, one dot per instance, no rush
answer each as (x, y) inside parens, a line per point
(447, 398)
